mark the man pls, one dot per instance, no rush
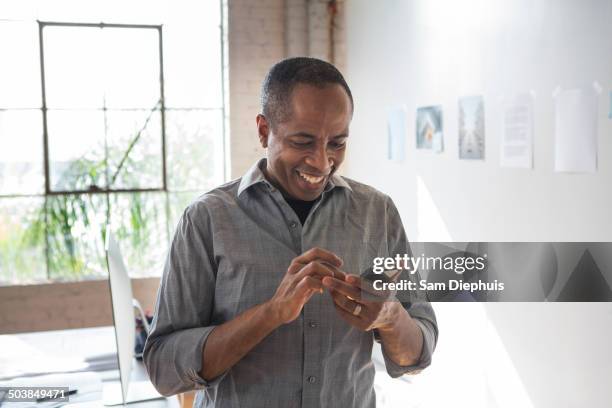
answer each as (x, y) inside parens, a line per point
(260, 303)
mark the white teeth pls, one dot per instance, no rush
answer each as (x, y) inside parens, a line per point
(311, 179)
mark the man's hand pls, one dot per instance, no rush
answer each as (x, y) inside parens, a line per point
(364, 307)
(232, 340)
(302, 280)
(360, 304)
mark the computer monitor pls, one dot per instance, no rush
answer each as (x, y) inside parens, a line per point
(125, 336)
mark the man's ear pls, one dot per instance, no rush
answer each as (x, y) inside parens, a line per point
(263, 128)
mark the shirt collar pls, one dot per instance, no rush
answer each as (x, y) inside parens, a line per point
(338, 181)
(255, 175)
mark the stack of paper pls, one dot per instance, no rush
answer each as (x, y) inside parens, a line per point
(25, 360)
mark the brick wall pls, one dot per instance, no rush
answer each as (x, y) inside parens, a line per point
(296, 28)
(260, 33)
(58, 306)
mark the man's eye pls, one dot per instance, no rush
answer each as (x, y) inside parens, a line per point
(301, 144)
(337, 145)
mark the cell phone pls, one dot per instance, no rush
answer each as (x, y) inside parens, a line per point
(386, 276)
(376, 292)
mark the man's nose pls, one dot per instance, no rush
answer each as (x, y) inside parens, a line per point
(320, 160)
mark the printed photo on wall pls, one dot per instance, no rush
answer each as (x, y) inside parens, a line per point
(471, 128)
(429, 128)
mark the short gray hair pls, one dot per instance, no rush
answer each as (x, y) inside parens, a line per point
(285, 75)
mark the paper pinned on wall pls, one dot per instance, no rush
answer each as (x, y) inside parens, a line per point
(576, 131)
(396, 134)
(429, 130)
(516, 148)
(471, 128)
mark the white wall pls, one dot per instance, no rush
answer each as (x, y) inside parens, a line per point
(427, 52)
(419, 53)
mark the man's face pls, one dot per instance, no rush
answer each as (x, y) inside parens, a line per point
(309, 146)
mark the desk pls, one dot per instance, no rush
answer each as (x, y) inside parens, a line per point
(78, 345)
(91, 349)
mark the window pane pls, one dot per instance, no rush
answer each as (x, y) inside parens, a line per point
(195, 149)
(139, 221)
(178, 202)
(21, 152)
(22, 242)
(20, 67)
(135, 151)
(73, 67)
(141, 11)
(131, 72)
(75, 225)
(18, 9)
(192, 57)
(76, 149)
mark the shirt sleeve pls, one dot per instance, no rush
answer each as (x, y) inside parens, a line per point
(415, 302)
(185, 300)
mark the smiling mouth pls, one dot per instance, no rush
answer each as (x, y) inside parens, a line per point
(310, 179)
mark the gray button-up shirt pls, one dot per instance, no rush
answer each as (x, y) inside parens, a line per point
(230, 251)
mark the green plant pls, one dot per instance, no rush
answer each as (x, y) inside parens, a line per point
(73, 226)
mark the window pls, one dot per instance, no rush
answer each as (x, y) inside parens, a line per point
(105, 122)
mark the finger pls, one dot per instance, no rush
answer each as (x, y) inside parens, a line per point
(354, 307)
(294, 267)
(368, 291)
(342, 287)
(315, 269)
(318, 254)
(308, 284)
(356, 321)
(338, 274)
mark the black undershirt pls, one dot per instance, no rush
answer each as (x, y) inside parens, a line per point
(301, 208)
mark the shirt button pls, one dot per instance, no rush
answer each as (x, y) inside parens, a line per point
(293, 224)
(312, 379)
(312, 324)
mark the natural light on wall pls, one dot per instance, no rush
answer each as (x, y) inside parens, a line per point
(503, 379)
(452, 28)
(430, 224)
(466, 15)
(121, 122)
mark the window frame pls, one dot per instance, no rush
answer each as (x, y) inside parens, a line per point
(48, 193)
(161, 103)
